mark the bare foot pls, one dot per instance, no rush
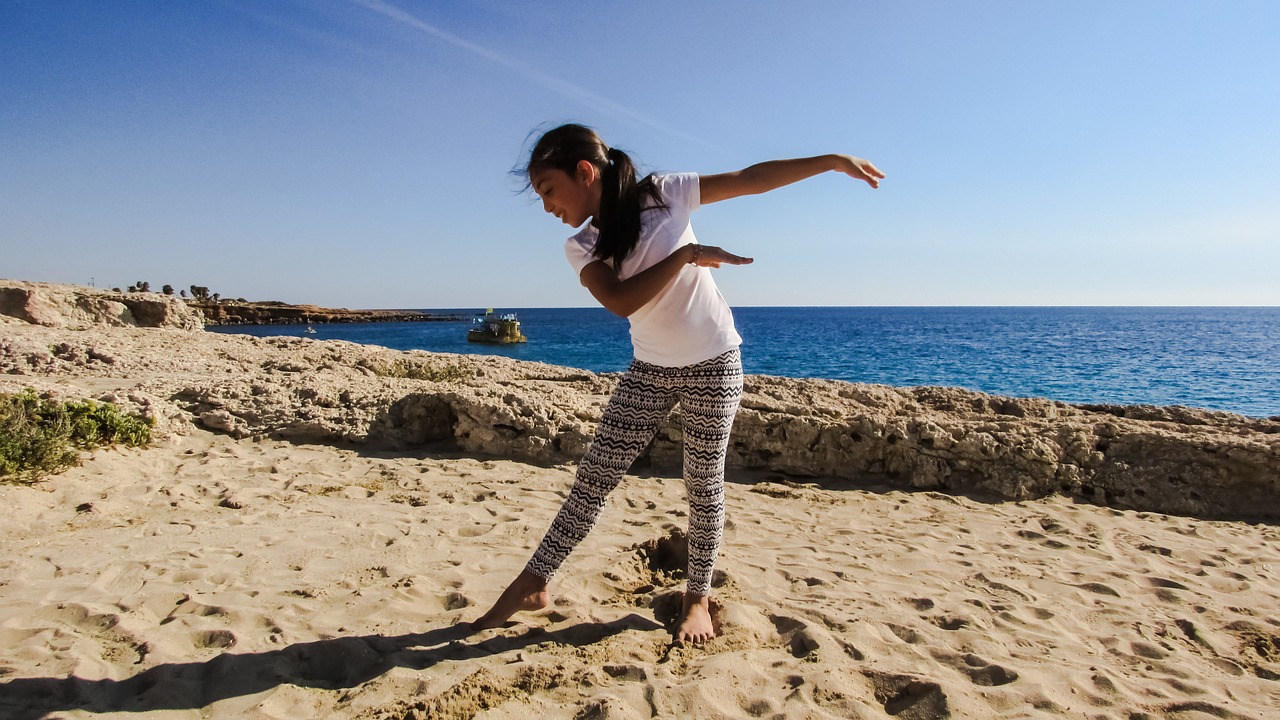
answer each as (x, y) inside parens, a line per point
(696, 624)
(526, 592)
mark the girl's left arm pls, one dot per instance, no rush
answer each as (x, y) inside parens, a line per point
(623, 297)
(766, 176)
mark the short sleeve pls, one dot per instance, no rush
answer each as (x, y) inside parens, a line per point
(579, 250)
(681, 190)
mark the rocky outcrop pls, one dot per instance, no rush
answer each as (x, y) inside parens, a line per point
(1171, 460)
(68, 306)
(1201, 463)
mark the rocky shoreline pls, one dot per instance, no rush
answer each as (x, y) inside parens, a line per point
(317, 522)
(230, 312)
(63, 305)
(1173, 460)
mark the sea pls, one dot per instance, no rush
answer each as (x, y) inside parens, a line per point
(1215, 358)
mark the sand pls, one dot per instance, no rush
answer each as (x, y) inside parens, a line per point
(209, 577)
(252, 564)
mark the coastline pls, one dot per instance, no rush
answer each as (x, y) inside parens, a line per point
(231, 313)
(320, 515)
(1208, 359)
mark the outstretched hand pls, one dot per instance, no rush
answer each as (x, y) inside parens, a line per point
(859, 169)
(712, 256)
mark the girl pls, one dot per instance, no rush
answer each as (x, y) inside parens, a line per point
(639, 258)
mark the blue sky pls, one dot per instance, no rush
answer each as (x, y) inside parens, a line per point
(357, 153)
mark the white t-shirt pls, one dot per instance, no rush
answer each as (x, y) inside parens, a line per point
(688, 321)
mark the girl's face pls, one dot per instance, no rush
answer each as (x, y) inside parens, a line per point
(571, 198)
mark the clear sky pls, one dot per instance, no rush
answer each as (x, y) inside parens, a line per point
(357, 153)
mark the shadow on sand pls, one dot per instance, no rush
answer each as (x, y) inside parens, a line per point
(331, 664)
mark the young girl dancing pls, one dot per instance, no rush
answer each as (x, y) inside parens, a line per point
(638, 257)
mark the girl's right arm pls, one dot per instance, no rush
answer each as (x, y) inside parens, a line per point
(624, 297)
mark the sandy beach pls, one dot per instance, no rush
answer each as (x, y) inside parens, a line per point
(284, 550)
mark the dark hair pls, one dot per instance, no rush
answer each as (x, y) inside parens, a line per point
(621, 197)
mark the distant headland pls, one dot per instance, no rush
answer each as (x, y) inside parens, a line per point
(213, 309)
(241, 312)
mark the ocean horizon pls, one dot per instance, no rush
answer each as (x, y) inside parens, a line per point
(1214, 358)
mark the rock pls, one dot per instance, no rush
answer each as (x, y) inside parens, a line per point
(75, 307)
(1172, 460)
(225, 422)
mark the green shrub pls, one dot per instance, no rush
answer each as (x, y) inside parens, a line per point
(39, 436)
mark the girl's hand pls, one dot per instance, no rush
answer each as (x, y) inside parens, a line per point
(859, 169)
(712, 256)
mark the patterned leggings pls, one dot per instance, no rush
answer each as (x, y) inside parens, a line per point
(708, 393)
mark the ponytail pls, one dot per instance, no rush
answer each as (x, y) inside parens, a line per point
(622, 197)
(621, 202)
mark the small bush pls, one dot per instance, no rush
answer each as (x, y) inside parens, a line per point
(40, 436)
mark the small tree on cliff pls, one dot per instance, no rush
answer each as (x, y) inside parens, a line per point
(167, 289)
(199, 293)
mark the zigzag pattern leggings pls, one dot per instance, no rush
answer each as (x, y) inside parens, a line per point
(708, 393)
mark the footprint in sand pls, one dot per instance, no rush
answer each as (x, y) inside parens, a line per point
(905, 634)
(172, 528)
(121, 579)
(798, 636)
(664, 557)
(1158, 582)
(1148, 651)
(920, 604)
(74, 622)
(188, 607)
(1168, 591)
(978, 670)
(909, 696)
(79, 616)
(626, 673)
(214, 639)
(998, 590)
(949, 622)
(1042, 539)
(1098, 589)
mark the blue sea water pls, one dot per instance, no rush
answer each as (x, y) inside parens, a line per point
(1215, 358)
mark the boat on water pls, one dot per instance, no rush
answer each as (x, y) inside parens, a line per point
(496, 329)
(309, 331)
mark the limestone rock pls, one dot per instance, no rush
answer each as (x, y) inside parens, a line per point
(1172, 460)
(75, 307)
